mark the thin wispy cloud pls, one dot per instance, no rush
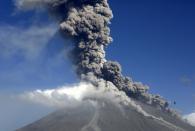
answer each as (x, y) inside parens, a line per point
(187, 80)
(33, 4)
(27, 42)
(25, 54)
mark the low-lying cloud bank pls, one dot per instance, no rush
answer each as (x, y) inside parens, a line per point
(190, 118)
(70, 96)
(59, 97)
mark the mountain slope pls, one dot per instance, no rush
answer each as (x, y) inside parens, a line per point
(105, 116)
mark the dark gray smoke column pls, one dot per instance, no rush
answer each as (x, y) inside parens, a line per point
(86, 23)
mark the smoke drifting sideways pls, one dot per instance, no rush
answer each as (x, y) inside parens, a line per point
(73, 95)
(86, 93)
(86, 22)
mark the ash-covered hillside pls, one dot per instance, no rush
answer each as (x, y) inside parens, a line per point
(106, 116)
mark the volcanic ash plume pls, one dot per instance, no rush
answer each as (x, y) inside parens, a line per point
(86, 23)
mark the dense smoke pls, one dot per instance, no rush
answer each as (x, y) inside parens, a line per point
(86, 22)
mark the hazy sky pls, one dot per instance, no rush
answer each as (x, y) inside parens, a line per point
(154, 41)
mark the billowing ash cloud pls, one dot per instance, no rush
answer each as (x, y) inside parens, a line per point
(73, 95)
(86, 22)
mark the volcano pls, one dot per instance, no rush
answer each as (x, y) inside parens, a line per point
(114, 102)
(107, 116)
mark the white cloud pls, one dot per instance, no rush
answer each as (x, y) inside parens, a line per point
(190, 118)
(70, 96)
(73, 94)
(28, 42)
(59, 97)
